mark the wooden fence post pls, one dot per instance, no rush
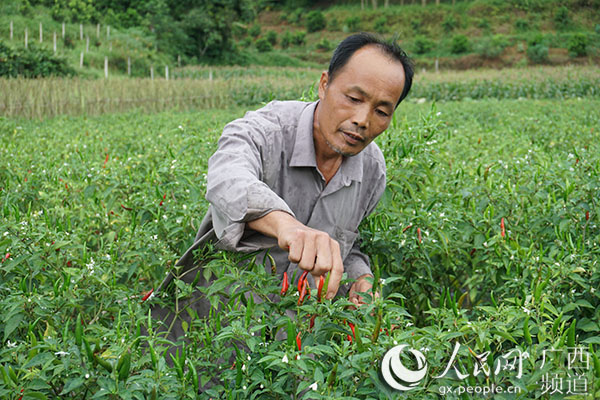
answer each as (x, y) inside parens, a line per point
(81, 32)
(166, 72)
(11, 30)
(81, 60)
(98, 31)
(41, 33)
(128, 65)
(152, 72)
(26, 38)
(105, 67)
(54, 42)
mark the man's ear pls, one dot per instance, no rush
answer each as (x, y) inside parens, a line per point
(323, 82)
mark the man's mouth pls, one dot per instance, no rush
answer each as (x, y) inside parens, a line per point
(352, 137)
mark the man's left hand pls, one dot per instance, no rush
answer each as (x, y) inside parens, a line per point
(361, 285)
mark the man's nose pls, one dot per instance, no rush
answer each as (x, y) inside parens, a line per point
(361, 117)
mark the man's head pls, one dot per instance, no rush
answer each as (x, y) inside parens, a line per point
(366, 80)
(352, 43)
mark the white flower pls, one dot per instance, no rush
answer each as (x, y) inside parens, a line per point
(313, 387)
(249, 358)
(244, 387)
(10, 344)
(526, 310)
(438, 113)
(395, 342)
(285, 359)
(382, 281)
(61, 353)
(243, 367)
(184, 207)
(180, 127)
(87, 376)
(164, 217)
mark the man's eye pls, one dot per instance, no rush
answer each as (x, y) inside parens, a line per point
(382, 113)
(353, 99)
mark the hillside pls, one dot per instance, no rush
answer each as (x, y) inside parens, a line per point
(464, 35)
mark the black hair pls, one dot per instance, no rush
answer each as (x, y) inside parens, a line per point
(351, 44)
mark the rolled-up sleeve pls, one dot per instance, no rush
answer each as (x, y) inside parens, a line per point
(234, 183)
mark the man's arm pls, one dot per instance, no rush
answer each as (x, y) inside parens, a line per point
(312, 250)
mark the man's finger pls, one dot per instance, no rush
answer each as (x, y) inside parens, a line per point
(309, 253)
(295, 249)
(323, 262)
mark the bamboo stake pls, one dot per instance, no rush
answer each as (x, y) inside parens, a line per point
(26, 39)
(54, 42)
(11, 30)
(41, 33)
(81, 32)
(63, 30)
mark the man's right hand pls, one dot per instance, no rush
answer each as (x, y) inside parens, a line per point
(312, 250)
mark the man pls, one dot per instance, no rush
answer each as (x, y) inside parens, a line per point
(298, 178)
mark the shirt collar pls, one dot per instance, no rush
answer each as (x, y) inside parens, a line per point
(303, 154)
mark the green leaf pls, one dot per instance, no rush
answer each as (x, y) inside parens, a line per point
(12, 324)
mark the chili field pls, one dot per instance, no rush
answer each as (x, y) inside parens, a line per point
(485, 249)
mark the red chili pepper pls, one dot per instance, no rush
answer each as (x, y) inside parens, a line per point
(299, 341)
(350, 338)
(21, 395)
(472, 252)
(302, 278)
(105, 161)
(587, 215)
(407, 228)
(302, 292)
(419, 235)
(320, 290)
(164, 197)
(285, 284)
(6, 257)
(312, 321)
(126, 208)
(147, 295)
(352, 329)
(502, 231)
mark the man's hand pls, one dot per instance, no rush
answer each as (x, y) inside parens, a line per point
(361, 285)
(312, 250)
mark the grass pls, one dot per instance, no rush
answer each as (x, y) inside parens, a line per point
(242, 86)
(95, 210)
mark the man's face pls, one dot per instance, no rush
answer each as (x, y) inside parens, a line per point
(358, 104)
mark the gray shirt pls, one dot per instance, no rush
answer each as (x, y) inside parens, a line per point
(265, 162)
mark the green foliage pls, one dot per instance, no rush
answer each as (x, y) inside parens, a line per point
(32, 62)
(381, 25)
(315, 21)
(538, 53)
(254, 30)
(271, 37)
(578, 45)
(299, 38)
(77, 11)
(263, 45)
(491, 47)
(537, 50)
(459, 44)
(87, 235)
(561, 17)
(324, 44)
(333, 24)
(521, 25)
(450, 23)
(423, 44)
(286, 39)
(352, 23)
(483, 23)
(295, 17)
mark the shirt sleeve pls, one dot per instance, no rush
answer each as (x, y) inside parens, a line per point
(357, 263)
(234, 187)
